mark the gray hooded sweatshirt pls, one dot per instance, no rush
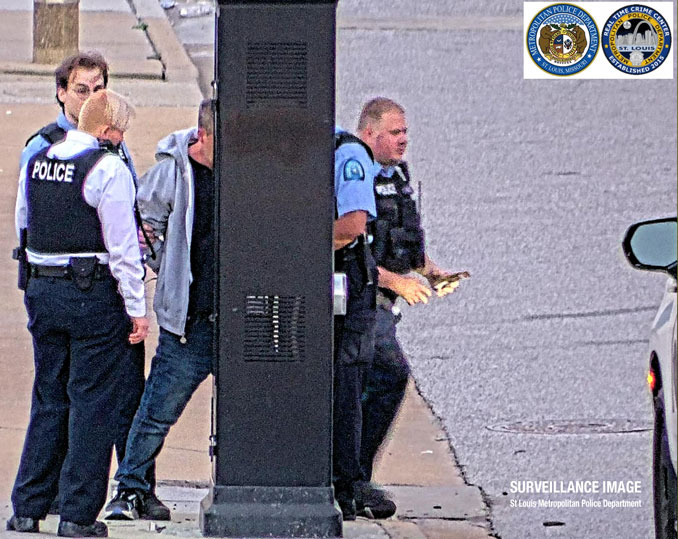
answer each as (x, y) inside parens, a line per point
(166, 202)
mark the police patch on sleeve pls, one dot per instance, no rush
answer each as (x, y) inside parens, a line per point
(353, 171)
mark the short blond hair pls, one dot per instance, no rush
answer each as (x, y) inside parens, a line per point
(105, 108)
(375, 108)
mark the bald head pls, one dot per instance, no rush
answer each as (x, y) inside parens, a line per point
(106, 115)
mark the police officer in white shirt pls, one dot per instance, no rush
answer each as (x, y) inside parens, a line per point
(86, 307)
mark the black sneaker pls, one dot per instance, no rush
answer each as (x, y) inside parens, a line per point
(372, 502)
(153, 509)
(125, 505)
(23, 525)
(71, 529)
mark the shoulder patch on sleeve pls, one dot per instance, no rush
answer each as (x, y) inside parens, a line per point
(353, 171)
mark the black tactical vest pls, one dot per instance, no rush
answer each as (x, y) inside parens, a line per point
(398, 239)
(59, 219)
(52, 133)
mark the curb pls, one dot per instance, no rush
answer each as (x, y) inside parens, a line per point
(177, 66)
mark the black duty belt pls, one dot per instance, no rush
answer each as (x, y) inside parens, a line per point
(101, 271)
(357, 250)
(352, 250)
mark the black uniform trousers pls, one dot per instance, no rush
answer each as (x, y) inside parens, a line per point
(353, 351)
(82, 364)
(385, 386)
(133, 391)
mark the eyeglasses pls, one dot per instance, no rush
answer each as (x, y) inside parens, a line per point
(83, 92)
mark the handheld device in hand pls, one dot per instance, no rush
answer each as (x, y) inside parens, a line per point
(445, 280)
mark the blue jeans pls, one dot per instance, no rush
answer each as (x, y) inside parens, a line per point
(176, 372)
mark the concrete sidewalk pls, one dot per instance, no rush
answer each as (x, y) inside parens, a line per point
(149, 65)
(136, 39)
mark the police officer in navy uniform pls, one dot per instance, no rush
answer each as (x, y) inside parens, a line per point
(77, 77)
(86, 307)
(353, 332)
(399, 249)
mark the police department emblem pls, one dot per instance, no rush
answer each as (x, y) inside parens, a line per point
(562, 39)
(353, 170)
(636, 39)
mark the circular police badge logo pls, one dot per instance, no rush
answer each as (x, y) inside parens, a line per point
(353, 171)
(562, 39)
(636, 39)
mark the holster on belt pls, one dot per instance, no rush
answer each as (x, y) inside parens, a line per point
(357, 250)
(363, 257)
(82, 271)
(19, 254)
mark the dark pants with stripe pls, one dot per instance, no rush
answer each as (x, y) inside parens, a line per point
(82, 367)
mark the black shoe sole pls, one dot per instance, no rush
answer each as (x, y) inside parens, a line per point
(122, 516)
(368, 513)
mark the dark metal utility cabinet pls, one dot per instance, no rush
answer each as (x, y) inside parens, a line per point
(274, 163)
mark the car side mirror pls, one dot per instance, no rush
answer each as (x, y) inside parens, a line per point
(651, 245)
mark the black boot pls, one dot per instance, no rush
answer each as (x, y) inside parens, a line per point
(71, 529)
(23, 524)
(373, 502)
(153, 509)
(347, 506)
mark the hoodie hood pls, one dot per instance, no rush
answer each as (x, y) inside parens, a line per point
(176, 145)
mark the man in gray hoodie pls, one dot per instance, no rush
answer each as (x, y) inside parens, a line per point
(176, 200)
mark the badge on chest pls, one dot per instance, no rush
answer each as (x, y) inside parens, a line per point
(386, 189)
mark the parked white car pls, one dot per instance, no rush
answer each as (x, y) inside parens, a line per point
(651, 245)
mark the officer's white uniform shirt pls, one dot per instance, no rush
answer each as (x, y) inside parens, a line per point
(354, 173)
(110, 189)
